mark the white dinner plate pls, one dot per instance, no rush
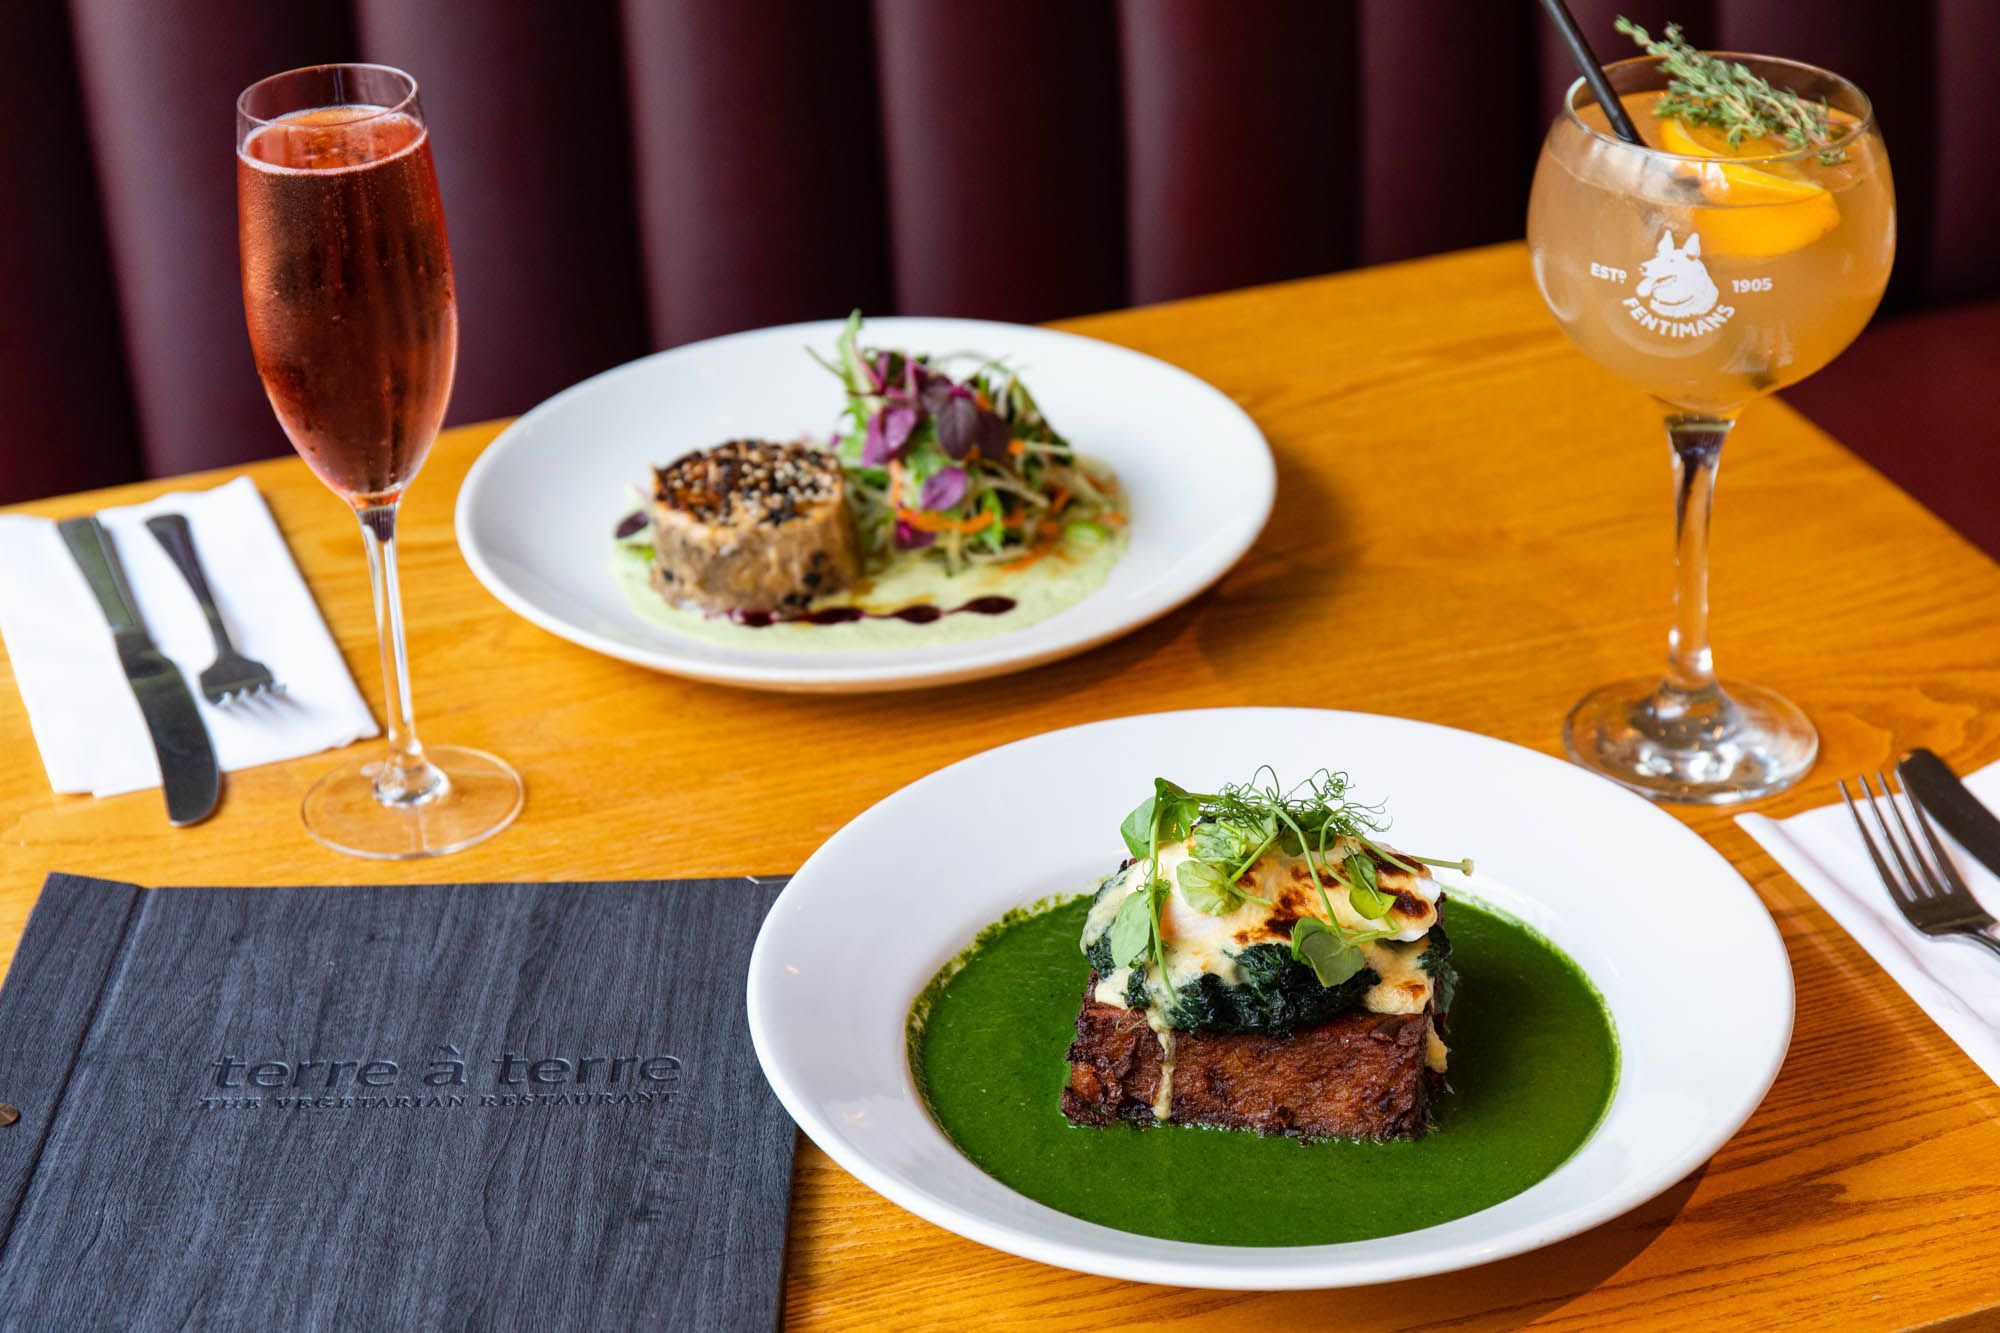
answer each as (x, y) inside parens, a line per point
(537, 509)
(1686, 957)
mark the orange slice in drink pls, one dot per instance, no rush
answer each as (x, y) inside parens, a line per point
(1760, 211)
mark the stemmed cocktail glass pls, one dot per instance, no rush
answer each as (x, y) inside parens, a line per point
(1708, 274)
(347, 288)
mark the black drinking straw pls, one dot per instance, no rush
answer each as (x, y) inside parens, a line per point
(1593, 73)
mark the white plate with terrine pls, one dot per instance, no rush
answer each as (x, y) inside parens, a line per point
(1684, 957)
(538, 507)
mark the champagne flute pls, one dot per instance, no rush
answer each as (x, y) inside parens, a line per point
(348, 293)
(1708, 274)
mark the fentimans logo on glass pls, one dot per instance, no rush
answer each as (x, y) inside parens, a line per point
(1676, 297)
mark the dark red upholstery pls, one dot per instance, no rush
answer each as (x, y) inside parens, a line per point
(628, 174)
(534, 162)
(1477, 190)
(1004, 195)
(790, 158)
(65, 412)
(1235, 174)
(1919, 397)
(1964, 212)
(160, 84)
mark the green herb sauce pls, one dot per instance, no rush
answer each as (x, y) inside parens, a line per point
(1534, 1061)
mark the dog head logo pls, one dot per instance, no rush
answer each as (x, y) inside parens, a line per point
(1674, 283)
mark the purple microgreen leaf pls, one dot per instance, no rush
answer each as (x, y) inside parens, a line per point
(888, 431)
(939, 390)
(994, 437)
(957, 418)
(945, 489)
(875, 451)
(912, 538)
(899, 421)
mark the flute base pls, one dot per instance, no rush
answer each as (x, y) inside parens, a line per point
(1716, 746)
(480, 795)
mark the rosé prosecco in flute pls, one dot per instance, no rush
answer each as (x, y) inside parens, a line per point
(348, 292)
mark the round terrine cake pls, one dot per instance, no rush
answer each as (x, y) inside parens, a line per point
(752, 525)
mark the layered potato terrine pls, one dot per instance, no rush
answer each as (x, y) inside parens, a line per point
(1243, 1033)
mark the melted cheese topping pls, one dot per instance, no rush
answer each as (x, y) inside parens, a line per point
(1197, 942)
(1404, 987)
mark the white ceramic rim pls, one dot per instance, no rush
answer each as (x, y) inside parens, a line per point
(1093, 621)
(1766, 1013)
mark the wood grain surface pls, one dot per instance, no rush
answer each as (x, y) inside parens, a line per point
(1472, 528)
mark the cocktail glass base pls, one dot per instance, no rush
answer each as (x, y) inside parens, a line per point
(1717, 745)
(479, 796)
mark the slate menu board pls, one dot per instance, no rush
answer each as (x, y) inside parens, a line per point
(521, 1105)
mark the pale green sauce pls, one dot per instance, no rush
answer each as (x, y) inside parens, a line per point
(1054, 583)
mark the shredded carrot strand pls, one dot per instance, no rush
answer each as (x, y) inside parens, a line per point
(924, 520)
(1026, 561)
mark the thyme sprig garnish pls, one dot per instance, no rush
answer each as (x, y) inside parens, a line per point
(1228, 831)
(1703, 89)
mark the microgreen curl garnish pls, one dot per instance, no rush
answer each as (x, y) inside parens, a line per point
(1229, 830)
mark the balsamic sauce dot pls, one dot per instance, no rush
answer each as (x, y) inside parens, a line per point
(920, 613)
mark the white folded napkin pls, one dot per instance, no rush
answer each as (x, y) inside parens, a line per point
(86, 722)
(1956, 982)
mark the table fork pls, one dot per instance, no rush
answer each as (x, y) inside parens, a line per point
(232, 678)
(1928, 891)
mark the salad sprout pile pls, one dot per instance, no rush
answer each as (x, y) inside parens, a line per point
(967, 467)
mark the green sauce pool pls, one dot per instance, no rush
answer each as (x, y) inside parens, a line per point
(1534, 1062)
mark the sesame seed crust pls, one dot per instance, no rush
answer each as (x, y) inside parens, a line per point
(742, 482)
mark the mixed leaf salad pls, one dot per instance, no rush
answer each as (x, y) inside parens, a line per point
(1226, 832)
(966, 467)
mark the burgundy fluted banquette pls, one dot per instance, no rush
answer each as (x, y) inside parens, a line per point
(622, 177)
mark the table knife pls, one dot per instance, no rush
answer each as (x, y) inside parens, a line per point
(188, 773)
(1945, 799)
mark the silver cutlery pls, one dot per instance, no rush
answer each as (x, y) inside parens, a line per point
(1939, 793)
(1927, 890)
(188, 772)
(232, 678)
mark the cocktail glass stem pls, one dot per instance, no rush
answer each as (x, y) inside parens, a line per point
(405, 777)
(1697, 443)
(1689, 710)
(1685, 736)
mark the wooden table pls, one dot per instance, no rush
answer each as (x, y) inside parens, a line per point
(1472, 527)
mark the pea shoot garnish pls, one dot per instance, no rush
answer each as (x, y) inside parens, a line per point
(1228, 831)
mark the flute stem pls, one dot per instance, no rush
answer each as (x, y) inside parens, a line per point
(405, 777)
